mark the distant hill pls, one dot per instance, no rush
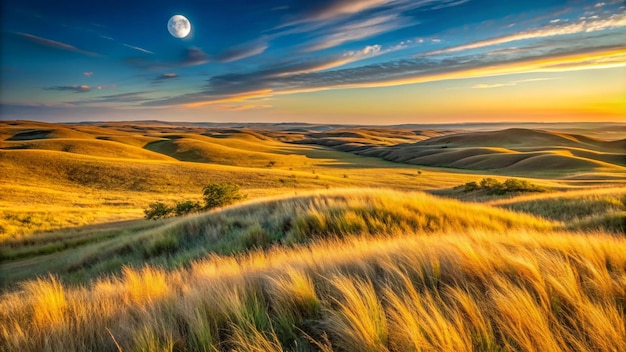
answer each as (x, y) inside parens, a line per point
(512, 150)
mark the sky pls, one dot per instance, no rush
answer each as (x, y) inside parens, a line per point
(325, 61)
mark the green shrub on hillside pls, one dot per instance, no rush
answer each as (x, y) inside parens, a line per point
(158, 210)
(215, 195)
(471, 186)
(186, 207)
(492, 186)
(495, 187)
(221, 194)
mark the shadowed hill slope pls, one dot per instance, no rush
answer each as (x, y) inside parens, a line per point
(511, 150)
(90, 147)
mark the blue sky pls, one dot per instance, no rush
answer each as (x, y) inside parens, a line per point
(370, 61)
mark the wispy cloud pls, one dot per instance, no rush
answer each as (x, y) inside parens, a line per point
(76, 89)
(138, 49)
(167, 76)
(326, 10)
(306, 11)
(242, 107)
(194, 56)
(243, 51)
(335, 22)
(88, 74)
(393, 73)
(54, 44)
(122, 98)
(347, 57)
(190, 57)
(510, 83)
(583, 25)
(164, 77)
(357, 30)
(449, 4)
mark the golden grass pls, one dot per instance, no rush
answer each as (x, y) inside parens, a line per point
(92, 147)
(260, 223)
(456, 291)
(73, 175)
(42, 190)
(345, 269)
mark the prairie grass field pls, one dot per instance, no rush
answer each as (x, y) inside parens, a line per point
(349, 239)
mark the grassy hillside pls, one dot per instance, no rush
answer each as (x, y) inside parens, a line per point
(355, 270)
(91, 147)
(335, 250)
(86, 253)
(56, 176)
(512, 151)
(577, 210)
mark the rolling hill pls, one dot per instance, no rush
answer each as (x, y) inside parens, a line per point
(285, 220)
(370, 270)
(57, 175)
(362, 268)
(511, 150)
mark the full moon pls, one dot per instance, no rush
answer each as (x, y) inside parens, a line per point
(179, 26)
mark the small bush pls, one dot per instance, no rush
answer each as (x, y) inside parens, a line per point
(471, 186)
(495, 187)
(492, 186)
(186, 207)
(158, 210)
(516, 185)
(221, 194)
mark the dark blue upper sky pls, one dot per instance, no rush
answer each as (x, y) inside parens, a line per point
(86, 60)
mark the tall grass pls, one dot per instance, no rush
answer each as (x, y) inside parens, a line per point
(472, 291)
(599, 209)
(257, 224)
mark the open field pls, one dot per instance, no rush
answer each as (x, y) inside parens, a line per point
(366, 270)
(334, 249)
(56, 176)
(92, 251)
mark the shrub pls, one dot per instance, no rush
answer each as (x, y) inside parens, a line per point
(471, 186)
(186, 207)
(158, 210)
(515, 185)
(221, 194)
(493, 186)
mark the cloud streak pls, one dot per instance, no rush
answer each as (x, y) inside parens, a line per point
(335, 22)
(555, 29)
(510, 83)
(164, 77)
(401, 72)
(243, 51)
(308, 11)
(190, 57)
(76, 89)
(122, 98)
(358, 30)
(54, 44)
(138, 49)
